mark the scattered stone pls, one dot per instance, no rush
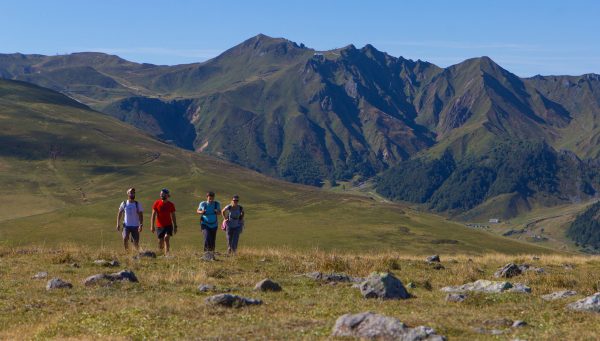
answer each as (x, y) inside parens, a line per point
(486, 286)
(590, 303)
(384, 286)
(535, 258)
(559, 295)
(104, 262)
(527, 267)
(568, 266)
(268, 285)
(57, 283)
(146, 254)
(369, 325)
(411, 285)
(74, 265)
(209, 257)
(206, 287)
(228, 300)
(498, 323)
(332, 277)
(508, 271)
(434, 258)
(437, 266)
(40, 275)
(490, 331)
(106, 279)
(519, 324)
(456, 297)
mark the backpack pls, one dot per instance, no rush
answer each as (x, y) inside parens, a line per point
(136, 206)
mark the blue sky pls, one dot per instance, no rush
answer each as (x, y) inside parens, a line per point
(526, 37)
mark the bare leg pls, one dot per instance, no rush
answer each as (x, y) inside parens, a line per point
(167, 245)
(126, 243)
(161, 243)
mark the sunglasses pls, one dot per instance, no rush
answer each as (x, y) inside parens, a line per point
(236, 200)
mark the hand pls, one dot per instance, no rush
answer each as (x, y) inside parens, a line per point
(140, 228)
(152, 229)
(118, 227)
(175, 229)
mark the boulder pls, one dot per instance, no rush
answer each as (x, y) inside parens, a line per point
(559, 295)
(369, 325)
(456, 297)
(384, 286)
(40, 275)
(228, 300)
(508, 271)
(104, 262)
(105, 279)
(57, 283)
(486, 286)
(267, 285)
(434, 258)
(590, 303)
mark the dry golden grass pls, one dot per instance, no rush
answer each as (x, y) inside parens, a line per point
(166, 304)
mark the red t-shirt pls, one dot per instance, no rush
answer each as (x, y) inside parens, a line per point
(163, 212)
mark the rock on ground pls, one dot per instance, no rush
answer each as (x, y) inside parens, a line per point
(384, 286)
(559, 294)
(486, 286)
(508, 271)
(434, 258)
(368, 325)
(146, 254)
(590, 303)
(104, 262)
(209, 257)
(456, 297)
(332, 277)
(267, 285)
(228, 300)
(40, 275)
(206, 287)
(104, 279)
(57, 283)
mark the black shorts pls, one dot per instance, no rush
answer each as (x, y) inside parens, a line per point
(162, 231)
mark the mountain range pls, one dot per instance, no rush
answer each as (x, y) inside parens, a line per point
(306, 116)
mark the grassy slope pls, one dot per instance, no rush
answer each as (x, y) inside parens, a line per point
(73, 196)
(166, 305)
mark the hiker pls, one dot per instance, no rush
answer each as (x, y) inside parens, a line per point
(209, 211)
(233, 223)
(163, 213)
(133, 220)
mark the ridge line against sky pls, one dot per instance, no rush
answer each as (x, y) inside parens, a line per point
(527, 38)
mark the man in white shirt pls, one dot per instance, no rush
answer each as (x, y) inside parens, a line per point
(133, 221)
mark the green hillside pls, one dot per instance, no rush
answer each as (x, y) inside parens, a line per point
(64, 169)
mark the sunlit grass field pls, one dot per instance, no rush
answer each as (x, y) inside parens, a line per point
(165, 304)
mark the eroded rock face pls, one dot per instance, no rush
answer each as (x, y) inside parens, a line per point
(57, 283)
(590, 303)
(368, 325)
(228, 300)
(384, 286)
(559, 295)
(267, 285)
(486, 286)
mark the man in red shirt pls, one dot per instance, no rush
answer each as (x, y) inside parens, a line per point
(163, 214)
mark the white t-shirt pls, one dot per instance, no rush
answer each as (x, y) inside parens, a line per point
(131, 212)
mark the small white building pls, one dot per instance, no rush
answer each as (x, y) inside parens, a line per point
(494, 221)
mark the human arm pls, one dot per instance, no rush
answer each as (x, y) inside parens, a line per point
(223, 212)
(201, 209)
(174, 222)
(141, 215)
(152, 220)
(119, 216)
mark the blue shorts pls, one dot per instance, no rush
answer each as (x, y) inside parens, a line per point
(165, 230)
(131, 231)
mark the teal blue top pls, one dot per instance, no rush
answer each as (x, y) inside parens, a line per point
(209, 218)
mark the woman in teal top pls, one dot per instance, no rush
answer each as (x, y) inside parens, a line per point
(209, 210)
